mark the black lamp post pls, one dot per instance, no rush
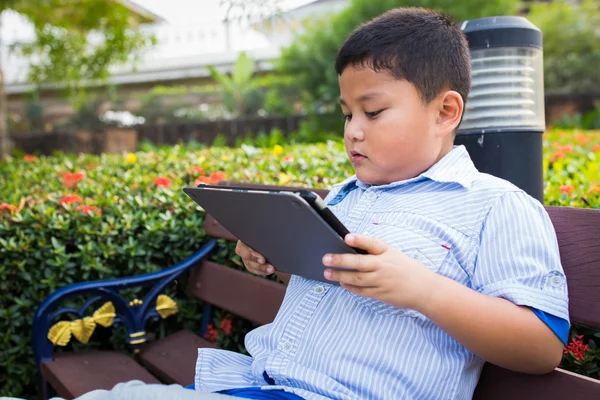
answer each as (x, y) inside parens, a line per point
(504, 115)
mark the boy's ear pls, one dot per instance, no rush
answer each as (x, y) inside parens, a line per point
(450, 110)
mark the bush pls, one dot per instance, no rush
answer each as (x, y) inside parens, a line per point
(310, 59)
(66, 219)
(571, 45)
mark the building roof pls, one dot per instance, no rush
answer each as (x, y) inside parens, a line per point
(145, 15)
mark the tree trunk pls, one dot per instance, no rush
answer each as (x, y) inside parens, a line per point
(5, 144)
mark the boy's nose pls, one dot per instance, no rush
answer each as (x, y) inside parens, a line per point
(354, 131)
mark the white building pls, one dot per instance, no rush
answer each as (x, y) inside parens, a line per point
(183, 50)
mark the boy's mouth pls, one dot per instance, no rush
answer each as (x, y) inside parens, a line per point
(355, 157)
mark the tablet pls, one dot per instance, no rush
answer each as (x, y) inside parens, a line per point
(292, 229)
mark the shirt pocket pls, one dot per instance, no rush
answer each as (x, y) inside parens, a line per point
(424, 247)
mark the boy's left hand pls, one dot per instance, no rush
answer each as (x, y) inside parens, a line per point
(385, 274)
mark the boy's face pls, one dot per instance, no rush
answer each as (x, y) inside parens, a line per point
(390, 134)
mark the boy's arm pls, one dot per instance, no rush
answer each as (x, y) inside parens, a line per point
(493, 328)
(517, 267)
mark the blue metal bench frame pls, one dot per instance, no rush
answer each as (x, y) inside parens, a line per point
(133, 315)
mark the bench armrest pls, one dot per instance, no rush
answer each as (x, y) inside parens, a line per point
(133, 315)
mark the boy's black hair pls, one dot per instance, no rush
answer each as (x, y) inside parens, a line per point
(423, 46)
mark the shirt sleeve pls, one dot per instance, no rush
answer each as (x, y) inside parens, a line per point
(518, 257)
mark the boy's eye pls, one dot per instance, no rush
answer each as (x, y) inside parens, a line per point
(347, 117)
(373, 114)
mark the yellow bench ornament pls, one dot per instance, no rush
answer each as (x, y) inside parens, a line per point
(61, 332)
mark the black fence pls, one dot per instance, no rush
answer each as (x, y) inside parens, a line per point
(205, 132)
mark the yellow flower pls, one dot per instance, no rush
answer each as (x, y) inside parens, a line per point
(226, 157)
(284, 178)
(201, 159)
(131, 158)
(277, 149)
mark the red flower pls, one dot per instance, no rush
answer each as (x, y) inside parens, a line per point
(225, 325)
(89, 209)
(70, 179)
(211, 333)
(8, 207)
(567, 189)
(29, 158)
(71, 199)
(161, 181)
(216, 177)
(196, 170)
(577, 348)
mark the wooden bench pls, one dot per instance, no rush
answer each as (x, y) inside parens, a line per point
(172, 359)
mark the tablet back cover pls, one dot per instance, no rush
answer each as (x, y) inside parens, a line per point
(281, 226)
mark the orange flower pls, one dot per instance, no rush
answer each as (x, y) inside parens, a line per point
(596, 148)
(582, 139)
(202, 180)
(594, 189)
(216, 177)
(8, 207)
(161, 181)
(70, 179)
(566, 148)
(29, 158)
(557, 156)
(89, 209)
(71, 199)
(196, 170)
(567, 189)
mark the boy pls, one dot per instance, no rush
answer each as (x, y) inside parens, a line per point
(462, 267)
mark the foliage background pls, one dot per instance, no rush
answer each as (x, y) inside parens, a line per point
(143, 222)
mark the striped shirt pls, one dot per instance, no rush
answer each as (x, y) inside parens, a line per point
(326, 342)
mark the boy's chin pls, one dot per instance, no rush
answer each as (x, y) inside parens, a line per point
(370, 179)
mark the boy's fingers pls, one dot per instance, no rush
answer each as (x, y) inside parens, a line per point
(352, 278)
(368, 243)
(360, 262)
(246, 253)
(260, 269)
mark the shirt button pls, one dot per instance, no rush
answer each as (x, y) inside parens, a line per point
(319, 289)
(287, 346)
(556, 281)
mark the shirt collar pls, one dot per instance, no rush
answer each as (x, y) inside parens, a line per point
(454, 167)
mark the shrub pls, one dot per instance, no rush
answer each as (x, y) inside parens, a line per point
(66, 219)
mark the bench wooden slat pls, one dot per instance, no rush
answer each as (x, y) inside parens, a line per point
(248, 296)
(172, 359)
(73, 374)
(578, 233)
(500, 384)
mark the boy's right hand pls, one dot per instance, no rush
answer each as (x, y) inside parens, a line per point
(253, 261)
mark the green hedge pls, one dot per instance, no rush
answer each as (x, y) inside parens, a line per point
(67, 219)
